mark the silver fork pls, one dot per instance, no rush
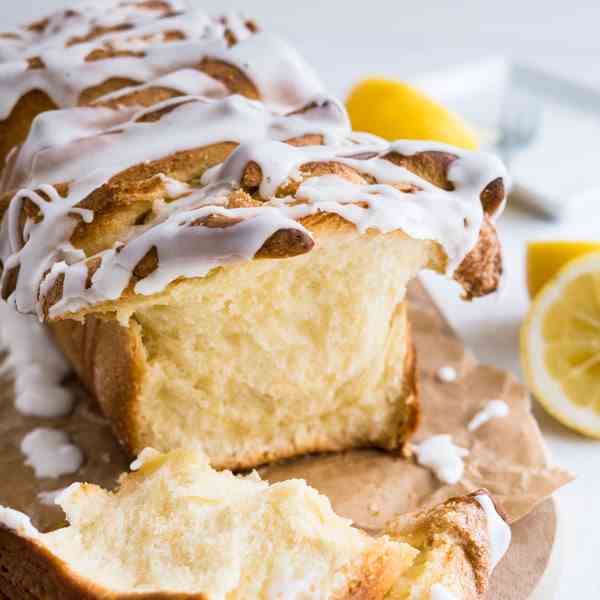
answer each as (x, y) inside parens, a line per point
(520, 119)
(519, 126)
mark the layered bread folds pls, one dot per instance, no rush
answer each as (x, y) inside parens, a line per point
(177, 529)
(131, 52)
(230, 272)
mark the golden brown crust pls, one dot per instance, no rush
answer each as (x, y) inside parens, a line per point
(110, 360)
(408, 416)
(433, 165)
(14, 129)
(481, 270)
(430, 165)
(229, 75)
(458, 525)
(375, 576)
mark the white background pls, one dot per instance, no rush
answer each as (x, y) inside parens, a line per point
(346, 40)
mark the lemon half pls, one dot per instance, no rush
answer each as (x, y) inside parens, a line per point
(560, 345)
(395, 110)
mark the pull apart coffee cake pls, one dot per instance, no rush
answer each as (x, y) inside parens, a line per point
(129, 51)
(203, 535)
(221, 258)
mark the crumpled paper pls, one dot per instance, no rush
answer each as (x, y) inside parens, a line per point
(506, 455)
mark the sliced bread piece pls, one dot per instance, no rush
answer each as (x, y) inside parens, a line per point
(175, 528)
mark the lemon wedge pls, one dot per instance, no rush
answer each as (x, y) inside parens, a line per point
(395, 110)
(545, 259)
(560, 345)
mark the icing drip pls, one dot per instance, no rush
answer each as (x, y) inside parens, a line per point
(135, 42)
(187, 81)
(138, 49)
(38, 366)
(439, 592)
(185, 249)
(83, 149)
(50, 453)
(498, 530)
(65, 494)
(17, 521)
(49, 498)
(146, 455)
(439, 454)
(284, 82)
(492, 410)
(447, 374)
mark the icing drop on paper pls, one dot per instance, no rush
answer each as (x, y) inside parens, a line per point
(37, 365)
(492, 410)
(447, 374)
(50, 453)
(439, 454)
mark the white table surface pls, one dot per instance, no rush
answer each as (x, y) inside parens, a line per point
(346, 40)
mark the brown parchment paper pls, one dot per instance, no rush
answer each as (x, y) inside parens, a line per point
(507, 456)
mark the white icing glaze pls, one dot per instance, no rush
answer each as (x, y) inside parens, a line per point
(447, 374)
(65, 495)
(287, 82)
(78, 19)
(492, 410)
(85, 148)
(17, 521)
(36, 363)
(192, 251)
(439, 454)
(147, 454)
(49, 498)
(263, 58)
(68, 70)
(50, 453)
(189, 82)
(439, 592)
(498, 530)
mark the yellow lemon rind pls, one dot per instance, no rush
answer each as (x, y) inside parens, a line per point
(546, 389)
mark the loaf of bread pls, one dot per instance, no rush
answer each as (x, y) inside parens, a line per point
(230, 273)
(123, 52)
(175, 528)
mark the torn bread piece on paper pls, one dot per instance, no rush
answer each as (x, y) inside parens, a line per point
(210, 534)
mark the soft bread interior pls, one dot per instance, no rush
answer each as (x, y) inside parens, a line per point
(177, 525)
(281, 356)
